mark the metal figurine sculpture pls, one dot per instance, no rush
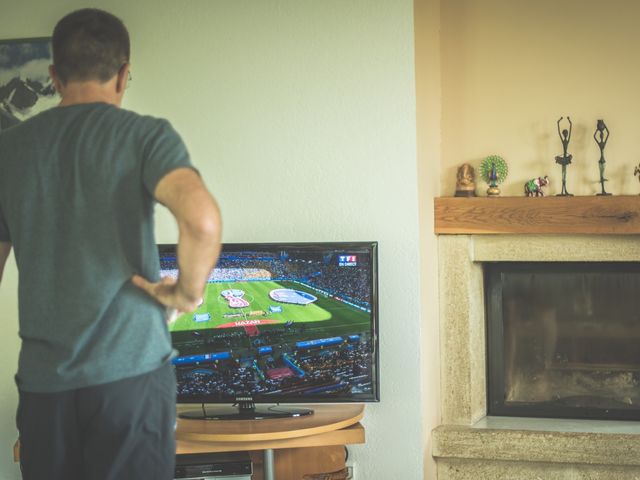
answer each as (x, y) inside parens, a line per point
(601, 135)
(493, 180)
(533, 188)
(636, 172)
(565, 159)
(465, 184)
(493, 170)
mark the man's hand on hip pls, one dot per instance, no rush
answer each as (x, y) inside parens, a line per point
(168, 293)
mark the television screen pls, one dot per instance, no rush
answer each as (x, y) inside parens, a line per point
(281, 323)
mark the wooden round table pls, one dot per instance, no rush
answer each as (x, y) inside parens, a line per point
(197, 436)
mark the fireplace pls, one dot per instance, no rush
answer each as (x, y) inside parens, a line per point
(563, 339)
(476, 441)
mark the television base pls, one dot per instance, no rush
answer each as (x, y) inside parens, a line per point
(243, 413)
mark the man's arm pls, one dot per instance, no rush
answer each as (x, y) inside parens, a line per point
(5, 249)
(199, 226)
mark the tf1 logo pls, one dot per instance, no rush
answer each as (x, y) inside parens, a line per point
(347, 260)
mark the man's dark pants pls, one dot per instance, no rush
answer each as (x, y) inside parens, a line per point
(120, 430)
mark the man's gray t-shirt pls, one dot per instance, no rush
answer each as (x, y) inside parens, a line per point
(76, 202)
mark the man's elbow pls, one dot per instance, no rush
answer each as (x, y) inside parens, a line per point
(205, 227)
(210, 228)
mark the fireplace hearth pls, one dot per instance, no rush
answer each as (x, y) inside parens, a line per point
(563, 339)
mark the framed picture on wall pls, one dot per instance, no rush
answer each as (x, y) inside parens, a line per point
(25, 86)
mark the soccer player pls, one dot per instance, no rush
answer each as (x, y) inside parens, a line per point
(78, 184)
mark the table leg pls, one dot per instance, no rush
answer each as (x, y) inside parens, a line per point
(269, 470)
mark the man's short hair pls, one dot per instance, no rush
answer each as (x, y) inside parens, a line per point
(89, 44)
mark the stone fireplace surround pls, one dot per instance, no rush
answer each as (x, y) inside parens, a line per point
(469, 444)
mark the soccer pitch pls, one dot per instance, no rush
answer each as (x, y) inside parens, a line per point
(257, 294)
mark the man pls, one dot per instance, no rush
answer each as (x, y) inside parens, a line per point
(77, 188)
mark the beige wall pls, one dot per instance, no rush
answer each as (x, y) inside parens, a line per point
(428, 123)
(301, 118)
(511, 68)
(493, 77)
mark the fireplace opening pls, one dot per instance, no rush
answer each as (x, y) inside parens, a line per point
(563, 339)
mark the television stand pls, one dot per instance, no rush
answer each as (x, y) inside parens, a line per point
(280, 448)
(245, 410)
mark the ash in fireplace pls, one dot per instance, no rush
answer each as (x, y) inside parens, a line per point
(576, 388)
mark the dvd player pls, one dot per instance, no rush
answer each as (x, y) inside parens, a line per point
(205, 466)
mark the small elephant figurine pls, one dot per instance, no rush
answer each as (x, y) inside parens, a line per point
(533, 188)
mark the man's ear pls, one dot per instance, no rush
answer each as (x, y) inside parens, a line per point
(55, 79)
(122, 78)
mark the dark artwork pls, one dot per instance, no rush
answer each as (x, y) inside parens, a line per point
(25, 86)
(565, 159)
(601, 135)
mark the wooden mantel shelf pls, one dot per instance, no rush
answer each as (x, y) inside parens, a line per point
(614, 215)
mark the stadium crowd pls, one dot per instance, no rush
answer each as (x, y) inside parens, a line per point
(344, 369)
(349, 283)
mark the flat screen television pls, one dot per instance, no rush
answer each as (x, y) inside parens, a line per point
(280, 323)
